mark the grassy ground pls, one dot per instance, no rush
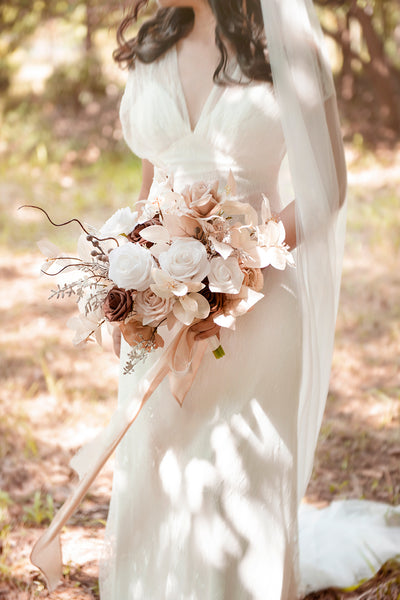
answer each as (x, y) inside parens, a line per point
(54, 397)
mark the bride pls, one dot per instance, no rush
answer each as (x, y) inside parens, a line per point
(205, 496)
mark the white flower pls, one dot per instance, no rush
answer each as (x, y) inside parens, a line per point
(172, 202)
(186, 260)
(272, 249)
(193, 306)
(225, 275)
(84, 326)
(166, 286)
(121, 222)
(161, 197)
(266, 214)
(151, 308)
(131, 266)
(162, 183)
(272, 235)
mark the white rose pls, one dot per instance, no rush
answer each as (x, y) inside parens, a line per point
(121, 222)
(130, 267)
(185, 260)
(151, 308)
(225, 276)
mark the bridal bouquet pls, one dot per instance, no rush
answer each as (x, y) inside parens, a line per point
(182, 257)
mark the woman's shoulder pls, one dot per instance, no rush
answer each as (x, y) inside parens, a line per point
(143, 76)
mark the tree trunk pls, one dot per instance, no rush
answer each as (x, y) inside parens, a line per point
(379, 70)
(347, 83)
(90, 26)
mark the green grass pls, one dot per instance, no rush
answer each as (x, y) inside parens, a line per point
(40, 511)
(373, 219)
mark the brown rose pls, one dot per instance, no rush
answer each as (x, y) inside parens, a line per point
(118, 304)
(215, 300)
(253, 278)
(135, 236)
(135, 333)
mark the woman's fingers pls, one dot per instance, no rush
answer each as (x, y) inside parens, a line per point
(203, 325)
(208, 330)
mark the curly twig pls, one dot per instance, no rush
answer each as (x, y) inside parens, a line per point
(68, 222)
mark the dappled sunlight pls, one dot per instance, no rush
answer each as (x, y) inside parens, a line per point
(62, 149)
(210, 509)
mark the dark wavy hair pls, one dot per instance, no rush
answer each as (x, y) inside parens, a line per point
(240, 22)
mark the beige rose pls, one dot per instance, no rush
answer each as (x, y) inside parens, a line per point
(201, 198)
(151, 308)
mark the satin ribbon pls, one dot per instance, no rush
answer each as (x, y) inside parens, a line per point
(180, 360)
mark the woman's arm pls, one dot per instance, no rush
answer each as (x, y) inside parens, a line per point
(147, 179)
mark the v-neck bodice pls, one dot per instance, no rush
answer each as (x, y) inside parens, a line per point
(238, 129)
(181, 94)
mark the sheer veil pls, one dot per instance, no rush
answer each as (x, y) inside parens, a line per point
(304, 88)
(349, 540)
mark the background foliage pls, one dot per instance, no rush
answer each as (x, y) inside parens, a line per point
(61, 148)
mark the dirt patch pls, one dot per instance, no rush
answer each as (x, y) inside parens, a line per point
(55, 397)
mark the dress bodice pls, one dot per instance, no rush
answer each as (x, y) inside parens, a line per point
(238, 130)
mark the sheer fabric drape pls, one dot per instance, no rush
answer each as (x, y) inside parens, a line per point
(304, 88)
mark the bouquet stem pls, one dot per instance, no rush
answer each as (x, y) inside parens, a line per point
(216, 347)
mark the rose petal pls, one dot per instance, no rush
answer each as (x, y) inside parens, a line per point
(158, 248)
(265, 209)
(155, 234)
(182, 315)
(180, 225)
(256, 258)
(231, 183)
(223, 249)
(48, 248)
(203, 307)
(189, 303)
(278, 258)
(248, 300)
(227, 321)
(194, 286)
(240, 209)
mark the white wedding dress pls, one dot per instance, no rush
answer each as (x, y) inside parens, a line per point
(204, 503)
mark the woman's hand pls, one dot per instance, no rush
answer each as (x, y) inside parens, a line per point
(116, 337)
(206, 328)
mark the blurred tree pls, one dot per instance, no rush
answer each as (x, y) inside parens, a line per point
(365, 31)
(19, 20)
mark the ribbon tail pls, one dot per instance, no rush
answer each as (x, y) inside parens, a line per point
(46, 556)
(46, 553)
(181, 382)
